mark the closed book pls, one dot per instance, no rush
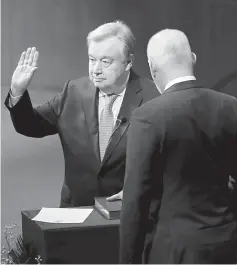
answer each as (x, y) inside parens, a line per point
(110, 210)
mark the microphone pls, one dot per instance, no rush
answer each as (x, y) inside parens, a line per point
(121, 120)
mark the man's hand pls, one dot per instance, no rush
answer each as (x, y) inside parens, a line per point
(115, 197)
(231, 184)
(24, 71)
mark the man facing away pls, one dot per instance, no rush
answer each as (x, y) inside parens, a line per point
(91, 115)
(182, 147)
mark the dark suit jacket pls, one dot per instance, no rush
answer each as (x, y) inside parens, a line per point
(182, 147)
(73, 115)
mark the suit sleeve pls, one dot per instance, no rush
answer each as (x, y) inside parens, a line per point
(231, 158)
(230, 137)
(36, 122)
(143, 185)
(234, 146)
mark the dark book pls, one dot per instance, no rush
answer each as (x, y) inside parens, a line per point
(110, 210)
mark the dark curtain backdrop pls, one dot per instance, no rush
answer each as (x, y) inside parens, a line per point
(32, 170)
(58, 28)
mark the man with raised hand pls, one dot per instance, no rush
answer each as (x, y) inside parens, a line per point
(91, 115)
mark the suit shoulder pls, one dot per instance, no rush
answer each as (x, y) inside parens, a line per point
(79, 82)
(74, 88)
(149, 88)
(227, 97)
(146, 82)
(148, 111)
(79, 85)
(222, 97)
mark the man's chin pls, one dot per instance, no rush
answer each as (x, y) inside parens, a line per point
(102, 87)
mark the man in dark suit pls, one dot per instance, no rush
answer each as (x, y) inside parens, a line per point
(182, 147)
(91, 115)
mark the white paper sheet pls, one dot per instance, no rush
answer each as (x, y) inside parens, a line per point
(63, 215)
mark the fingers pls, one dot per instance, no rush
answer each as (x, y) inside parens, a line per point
(114, 197)
(35, 59)
(21, 61)
(231, 183)
(29, 57)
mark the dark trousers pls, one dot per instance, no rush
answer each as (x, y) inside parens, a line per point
(166, 250)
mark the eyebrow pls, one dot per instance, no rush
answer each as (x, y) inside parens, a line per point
(107, 58)
(104, 57)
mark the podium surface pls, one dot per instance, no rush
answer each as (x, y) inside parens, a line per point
(94, 241)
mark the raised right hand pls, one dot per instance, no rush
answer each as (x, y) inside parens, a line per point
(231, 183)
(24, 71)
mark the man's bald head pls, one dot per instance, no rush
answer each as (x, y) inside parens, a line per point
(169, 54)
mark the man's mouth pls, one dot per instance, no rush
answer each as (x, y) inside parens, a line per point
(98, 79)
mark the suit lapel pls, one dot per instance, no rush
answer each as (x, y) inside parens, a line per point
(132, 99)
(90, 105)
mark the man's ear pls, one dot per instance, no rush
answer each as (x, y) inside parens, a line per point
(129, 62)
(194, 56)
(152, 69)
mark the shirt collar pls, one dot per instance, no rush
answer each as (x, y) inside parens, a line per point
(102, 94)
(179, 80)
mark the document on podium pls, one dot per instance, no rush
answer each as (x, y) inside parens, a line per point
(63, 215)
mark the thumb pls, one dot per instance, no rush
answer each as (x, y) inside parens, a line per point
(31, 72)
(113, 197)
(33, 69)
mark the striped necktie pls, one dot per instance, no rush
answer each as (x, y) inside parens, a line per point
(106, 124)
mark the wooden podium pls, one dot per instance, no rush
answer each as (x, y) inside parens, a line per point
(95, 241)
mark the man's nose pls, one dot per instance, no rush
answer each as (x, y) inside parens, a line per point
(97, 68)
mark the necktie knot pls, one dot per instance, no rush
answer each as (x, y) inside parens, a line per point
(109, 101)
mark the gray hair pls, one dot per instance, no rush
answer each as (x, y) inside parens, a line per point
(114, 29)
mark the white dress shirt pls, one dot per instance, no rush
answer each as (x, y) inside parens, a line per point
(179, 80)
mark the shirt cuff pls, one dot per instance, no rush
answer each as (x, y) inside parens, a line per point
(14, 96)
